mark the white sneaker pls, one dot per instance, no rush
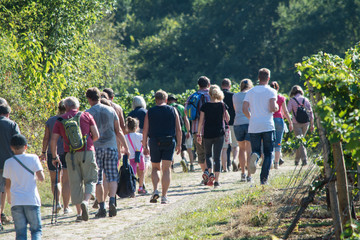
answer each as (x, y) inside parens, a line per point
(67, 211)
(164, 200)
(253, 163)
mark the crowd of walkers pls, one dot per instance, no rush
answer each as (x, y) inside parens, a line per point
(220, 129)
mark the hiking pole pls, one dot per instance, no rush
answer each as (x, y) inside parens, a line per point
(55, 200)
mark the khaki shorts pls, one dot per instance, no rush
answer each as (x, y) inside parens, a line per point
(82, 175)
(234, 142)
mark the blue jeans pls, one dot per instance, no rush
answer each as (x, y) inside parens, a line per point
(213, 145)
(279, 131)
(268, 144)
(24, 214)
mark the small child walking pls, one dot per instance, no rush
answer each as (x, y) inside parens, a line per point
(21, 172)
(133, 139)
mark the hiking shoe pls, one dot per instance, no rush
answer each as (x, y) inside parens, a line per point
(184, 166)
(216, 185)
(211, 179)
(154, 196)
(304, 163)
(164, 200)
(57, 209)
(253, 163)
(296, 163)
(84, 211)
(101, 213)
(112, 210)
(67, 210)
(234, 166)
(142, 191)
(78, 219)
(192, 168)
(281, 162)
(96, 204)
(205, 177)
(1, 227)
(249, 179)
(243, 177)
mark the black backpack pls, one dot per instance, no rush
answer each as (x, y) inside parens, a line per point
(301, 115)
(127, 180)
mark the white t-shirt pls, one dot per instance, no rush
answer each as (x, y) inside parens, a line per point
(261, 119)
(23, 184)
(136, 139)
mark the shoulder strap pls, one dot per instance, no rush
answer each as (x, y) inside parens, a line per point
(297, 101)
(223, 104)
(26, 168)
(303, 102)
(132, 143)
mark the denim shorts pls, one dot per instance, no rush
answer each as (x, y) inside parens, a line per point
(241, 132)
(279, 131)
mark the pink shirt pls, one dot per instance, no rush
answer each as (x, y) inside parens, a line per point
(280, 100)
(86, 121)
(292, 106)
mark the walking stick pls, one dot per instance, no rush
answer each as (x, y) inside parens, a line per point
(55, 200)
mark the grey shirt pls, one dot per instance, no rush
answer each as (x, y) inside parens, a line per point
(60, 145)
(8, 128)
(238, 100)
(104, 117)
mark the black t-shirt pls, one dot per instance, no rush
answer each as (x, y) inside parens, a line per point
(228, 99)
(214, 119)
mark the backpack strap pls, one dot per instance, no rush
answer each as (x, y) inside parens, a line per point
(298, 102)
(26, 168)
(128, 135)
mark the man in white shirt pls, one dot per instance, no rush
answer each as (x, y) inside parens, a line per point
(261, 100)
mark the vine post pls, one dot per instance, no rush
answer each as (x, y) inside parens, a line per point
(335, 212)
(342, 183)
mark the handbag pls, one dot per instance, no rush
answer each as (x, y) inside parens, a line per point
(166, 141)
(137, 152)
(227, 129)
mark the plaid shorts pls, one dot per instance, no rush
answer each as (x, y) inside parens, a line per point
(107, 159)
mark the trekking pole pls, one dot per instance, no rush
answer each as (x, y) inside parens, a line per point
(55, 200)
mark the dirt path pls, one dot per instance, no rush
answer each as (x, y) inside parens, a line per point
(135, 215)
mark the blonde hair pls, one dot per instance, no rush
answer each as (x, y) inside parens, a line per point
(161, 95)
(216, 93)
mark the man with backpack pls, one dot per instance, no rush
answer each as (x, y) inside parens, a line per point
(192, 110)
(261, 100)
(185, 129)
(106, 149)
(79, 132)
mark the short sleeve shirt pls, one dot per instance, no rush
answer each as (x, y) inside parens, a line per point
(23, 184)
(104, 117)
(136, 139)
(214, 119)
(60, 144)
(238, 100)
(280, 101)
(86, 121)
(261, 119)
(8, 128)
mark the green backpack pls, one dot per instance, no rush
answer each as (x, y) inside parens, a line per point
(73, 132)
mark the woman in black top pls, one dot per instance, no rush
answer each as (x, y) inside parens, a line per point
(212, 116)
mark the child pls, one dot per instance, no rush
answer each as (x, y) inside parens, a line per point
(133, 140)
(21, 172)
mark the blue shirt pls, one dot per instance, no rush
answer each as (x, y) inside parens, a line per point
(139, 113)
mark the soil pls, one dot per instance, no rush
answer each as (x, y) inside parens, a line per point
(136, 217)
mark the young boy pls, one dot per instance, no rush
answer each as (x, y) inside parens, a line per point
(21, 172)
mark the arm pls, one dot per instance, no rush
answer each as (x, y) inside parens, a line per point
(7, 188)
(120, 136)
(227, 116)
(53, 147)
(120, 114)
(200, 126)
(94, 132)
(245, 109)
(45, 143)
(178, 133)
(273, 107)
(40, 175)
(187, 126)
(287, 115)
(145, 135)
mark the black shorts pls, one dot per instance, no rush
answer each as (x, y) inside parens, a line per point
(51, 167)
(159, 151)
